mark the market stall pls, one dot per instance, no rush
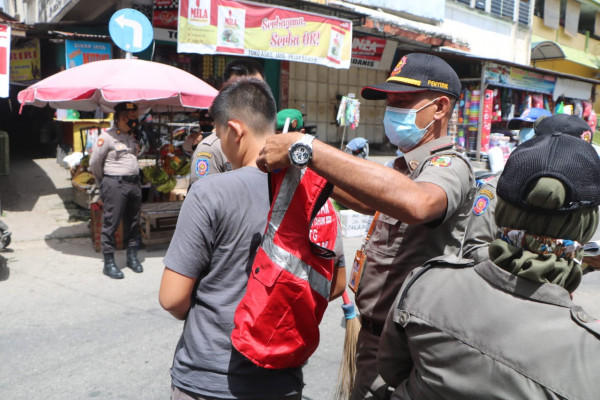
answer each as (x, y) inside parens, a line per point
(160, 91)
(496, 91)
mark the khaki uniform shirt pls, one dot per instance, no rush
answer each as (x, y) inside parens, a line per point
(396, 248)
(208, 159)
(481, 229)
(114, 153)
(483, 333)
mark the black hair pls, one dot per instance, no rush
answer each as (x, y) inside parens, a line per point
(243, 67)
(247, 100)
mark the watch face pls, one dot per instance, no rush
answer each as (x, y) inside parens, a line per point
(301, 155)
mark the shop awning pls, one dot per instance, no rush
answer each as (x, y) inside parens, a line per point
(546, 50)
(542, 49)
(393, 27)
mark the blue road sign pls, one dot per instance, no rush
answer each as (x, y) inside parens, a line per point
(130, 30)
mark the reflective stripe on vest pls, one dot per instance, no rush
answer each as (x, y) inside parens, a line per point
(294, 265)
(281, 257)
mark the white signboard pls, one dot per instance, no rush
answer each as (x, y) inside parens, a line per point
(4, 60)
(49, 9)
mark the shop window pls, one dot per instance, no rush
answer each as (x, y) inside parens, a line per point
(503, 8)
(480, 4)
(467, 2)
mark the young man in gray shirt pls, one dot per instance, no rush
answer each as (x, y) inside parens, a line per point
(209, 259)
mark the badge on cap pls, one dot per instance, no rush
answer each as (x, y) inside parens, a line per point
(441, 161)
(481, 204)
(587, 136)
(399, 66)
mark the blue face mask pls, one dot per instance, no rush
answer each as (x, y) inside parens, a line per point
(401, 129)
(525, 134)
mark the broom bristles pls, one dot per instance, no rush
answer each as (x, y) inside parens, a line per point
(347, 370)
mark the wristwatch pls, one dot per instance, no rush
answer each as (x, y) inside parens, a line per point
(300, 152)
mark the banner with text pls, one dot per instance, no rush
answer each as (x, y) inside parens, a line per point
(256, 30)
(517, 78)
(25, 61)
(78, 52)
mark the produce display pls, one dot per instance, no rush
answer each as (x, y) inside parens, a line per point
(159, 178)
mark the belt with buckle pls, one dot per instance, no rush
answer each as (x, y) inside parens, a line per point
(371, 326)
(125, 178)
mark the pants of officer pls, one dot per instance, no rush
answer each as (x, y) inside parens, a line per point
(367, 382)
(122, 200)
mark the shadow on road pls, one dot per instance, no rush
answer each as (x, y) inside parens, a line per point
(4, 269)
(25, 184)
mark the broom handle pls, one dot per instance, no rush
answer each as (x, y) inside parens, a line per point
(346, 298)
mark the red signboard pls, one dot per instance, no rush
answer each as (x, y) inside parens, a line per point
(367, 51)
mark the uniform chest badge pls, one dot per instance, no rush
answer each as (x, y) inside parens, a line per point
(100, 142)
(481, 204)
(413, 164)
(441, 161)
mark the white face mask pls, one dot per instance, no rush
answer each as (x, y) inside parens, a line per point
(401, 129)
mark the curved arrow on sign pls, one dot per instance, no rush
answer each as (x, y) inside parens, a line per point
(136, 26)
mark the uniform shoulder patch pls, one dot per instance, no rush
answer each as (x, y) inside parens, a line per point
(441, 161)
(204, 154)
(202, 167)
(487, 192)
(481, 203)
(100, 142)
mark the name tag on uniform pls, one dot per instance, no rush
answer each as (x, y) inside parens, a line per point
(120, 147)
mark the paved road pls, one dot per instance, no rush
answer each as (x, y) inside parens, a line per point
(68, 332)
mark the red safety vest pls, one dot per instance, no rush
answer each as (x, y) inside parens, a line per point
(277, 320)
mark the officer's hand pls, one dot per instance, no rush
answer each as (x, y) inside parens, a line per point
(275, 153)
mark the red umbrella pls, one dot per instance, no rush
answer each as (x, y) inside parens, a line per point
(105, 83)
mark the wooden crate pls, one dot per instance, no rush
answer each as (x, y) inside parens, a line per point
(96, 225)
(158, 221)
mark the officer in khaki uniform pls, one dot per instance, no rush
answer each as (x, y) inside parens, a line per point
(396, 248)
(115, 167)
(208, 159)
(507, 328)
(482, 228)
(424, 200)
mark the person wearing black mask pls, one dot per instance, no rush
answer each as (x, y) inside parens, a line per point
(115, 168)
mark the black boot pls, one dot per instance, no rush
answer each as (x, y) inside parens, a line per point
(132, 260)
(110, 267)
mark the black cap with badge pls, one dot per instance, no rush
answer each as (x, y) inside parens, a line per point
(126, 106)
(568, 159)
(417, 72)
(567, 124)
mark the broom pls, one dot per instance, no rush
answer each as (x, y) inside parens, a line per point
(347, 370)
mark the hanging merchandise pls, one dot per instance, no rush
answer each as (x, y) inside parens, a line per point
(537, 100)
(348, 114)
(592, 121)
(560, 108)
(577, 108)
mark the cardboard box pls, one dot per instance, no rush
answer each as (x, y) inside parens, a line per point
(354, 224)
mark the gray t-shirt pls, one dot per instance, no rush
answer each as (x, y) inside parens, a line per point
(219, 229)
